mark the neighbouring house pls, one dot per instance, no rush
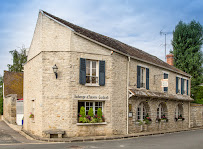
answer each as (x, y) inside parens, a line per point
(70, 67)
(13, 97)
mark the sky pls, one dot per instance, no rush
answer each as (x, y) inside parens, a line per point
(134, 22)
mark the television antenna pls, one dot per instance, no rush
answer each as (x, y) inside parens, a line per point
(165, 33)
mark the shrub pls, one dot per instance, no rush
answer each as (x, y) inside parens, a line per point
(99, 113)
(90, 112)
(82, 111)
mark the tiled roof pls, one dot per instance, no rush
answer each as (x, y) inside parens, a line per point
(13, 83)
(117, 45)
(159, 95)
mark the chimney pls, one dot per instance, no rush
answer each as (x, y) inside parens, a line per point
(169, 58)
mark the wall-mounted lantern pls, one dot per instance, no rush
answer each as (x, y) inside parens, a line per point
(55, 69)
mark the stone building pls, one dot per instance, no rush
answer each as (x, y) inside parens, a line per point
(131, 86)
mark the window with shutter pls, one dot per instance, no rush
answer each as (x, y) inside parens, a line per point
(165, 77)
(92, 72)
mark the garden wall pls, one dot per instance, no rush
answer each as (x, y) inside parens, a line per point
(10, 108)
(196, 115)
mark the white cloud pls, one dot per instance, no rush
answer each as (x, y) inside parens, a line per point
(136, 23)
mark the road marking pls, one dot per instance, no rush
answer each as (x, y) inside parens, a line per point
(122, 145)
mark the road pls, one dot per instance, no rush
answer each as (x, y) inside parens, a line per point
(182, 140)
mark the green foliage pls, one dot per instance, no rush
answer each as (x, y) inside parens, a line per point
(199, 95)
(83, 120)
(94, 120)
(90, 112)
(19, 59)
(82, 112)
(99, 113)
(187, 42)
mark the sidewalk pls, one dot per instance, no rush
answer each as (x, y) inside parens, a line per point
(10, 133)
(113, 137)
(29, 138)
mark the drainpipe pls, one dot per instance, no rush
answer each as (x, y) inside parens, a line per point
(189, 114)
(127, 92)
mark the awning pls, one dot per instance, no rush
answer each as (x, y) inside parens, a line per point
(159, 95)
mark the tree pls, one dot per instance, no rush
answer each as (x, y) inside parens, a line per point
(19, 59)
(187, 42)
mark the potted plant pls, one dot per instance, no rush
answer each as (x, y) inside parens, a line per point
(91, 118)
(147, 119)
(164, 118)
(31, 115)
(181, 118)
(158, 120)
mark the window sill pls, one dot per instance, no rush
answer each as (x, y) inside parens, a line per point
(92, 85)
(90, 124)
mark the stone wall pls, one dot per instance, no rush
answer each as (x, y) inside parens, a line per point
(9, 108)
(153, 104)
(196, 114)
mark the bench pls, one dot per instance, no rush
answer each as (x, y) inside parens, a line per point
(58, 132)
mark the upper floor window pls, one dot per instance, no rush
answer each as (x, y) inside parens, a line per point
(92, 72)
(182, 86)
(165, 77)
(142, 77)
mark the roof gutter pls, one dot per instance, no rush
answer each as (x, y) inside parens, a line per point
(110, 47)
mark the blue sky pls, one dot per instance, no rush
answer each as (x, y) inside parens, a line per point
(135, 22)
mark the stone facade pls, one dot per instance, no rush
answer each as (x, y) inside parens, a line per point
(53, 101)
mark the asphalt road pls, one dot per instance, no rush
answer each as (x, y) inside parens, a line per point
(182, 140)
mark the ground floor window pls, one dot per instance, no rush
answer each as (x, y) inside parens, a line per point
(162, 111)
(95, 105)
(90, 112)
(179, 112)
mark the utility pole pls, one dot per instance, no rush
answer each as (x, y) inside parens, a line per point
(165, 33)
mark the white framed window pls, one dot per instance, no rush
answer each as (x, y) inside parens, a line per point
(185, 87)
(141, 112)
(178, 111)
(142, 77)
(160, 111)
(179, 85)
(92, 72)
(165, 76)
(95, 105)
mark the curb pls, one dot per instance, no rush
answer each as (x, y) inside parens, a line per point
(103, 138)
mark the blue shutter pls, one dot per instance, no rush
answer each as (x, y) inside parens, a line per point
(176, 85)
(147, 78)
(182, 85)
(82, 71)
(138, 76)
(187, 86)
(102, 73)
